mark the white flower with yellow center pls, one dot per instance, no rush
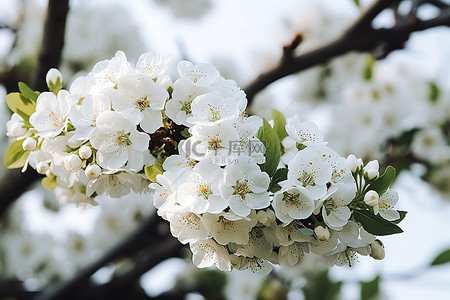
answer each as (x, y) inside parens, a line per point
(186, 225)
(179, 107)
(386, 204)
(213, 107)
(200, 193)
(307, 170)
(118, 142)
(335, 211)
(341, 172)
(84, 116)
(206, 253)
(306, 133)
(202, 75)
(106, 73)
(141, 100)
(151, 64)
(212, 142)
(50, 118)
(292, 203)
(228, 227)
(245, 187)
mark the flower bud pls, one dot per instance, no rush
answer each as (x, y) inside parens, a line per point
(42, 167)
(74, 144)
(166, 82)
(322, 233)
(377, 250)
(52, 77)
(72, 162)
(85, 152)
(49, 173)
(354, 163)
(371, 198)
(371, 170)
(93, 171)
(16, 130)
(29, 144)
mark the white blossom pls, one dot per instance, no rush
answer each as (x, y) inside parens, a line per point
(118, 142)
(50, 118)
(202, 75)
(245, 187)
(140, 100)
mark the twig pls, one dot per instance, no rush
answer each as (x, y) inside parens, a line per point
(52, 42)
(360, 37)
(133, 243)
(438, 3)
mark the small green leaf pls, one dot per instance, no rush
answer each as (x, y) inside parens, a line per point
(442, 258)
(382, 183)
(402, 216)
(49, 183)
(433, 92)
(185, 133)
(280, 175)
(15, 156)
(279, 124)
(55, 87)
(268, 136)
(27, 92)
(300, 146)
(20, 105)
(370, 289)
(356, 2)
(375, 224)
(153, 170)
(369, 67)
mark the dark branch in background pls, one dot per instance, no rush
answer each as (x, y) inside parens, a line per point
(144, 242)
(14, 183)
(360, 37)
(52, 42)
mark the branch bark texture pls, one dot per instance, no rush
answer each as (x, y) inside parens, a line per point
(360, 37)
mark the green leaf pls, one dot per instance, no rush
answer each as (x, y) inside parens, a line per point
(15, 156)
(20, 105)
(49, 183)
(55, 87)
(369, 67)
(370, 289)
(280, 175)
(320, 286)
(402, 216)
(268, 136)
(382, 183)
(433, 92)
(279, 124)
(375, 224)
(356, 2)
(442, 258)
(27, 92)
(153, 170)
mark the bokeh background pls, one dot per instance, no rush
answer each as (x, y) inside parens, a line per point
(395, 109)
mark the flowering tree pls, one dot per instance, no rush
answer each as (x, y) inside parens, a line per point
(244, 192)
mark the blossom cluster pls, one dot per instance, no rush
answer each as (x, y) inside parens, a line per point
(244, 193)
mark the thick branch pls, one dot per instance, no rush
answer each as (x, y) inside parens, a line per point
(140, 239)
(52, 43)
(14, 183)
(359, 37)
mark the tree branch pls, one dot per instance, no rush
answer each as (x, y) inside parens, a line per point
(52, 42)
(361, 36)
(14, 182)
(142, 238)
